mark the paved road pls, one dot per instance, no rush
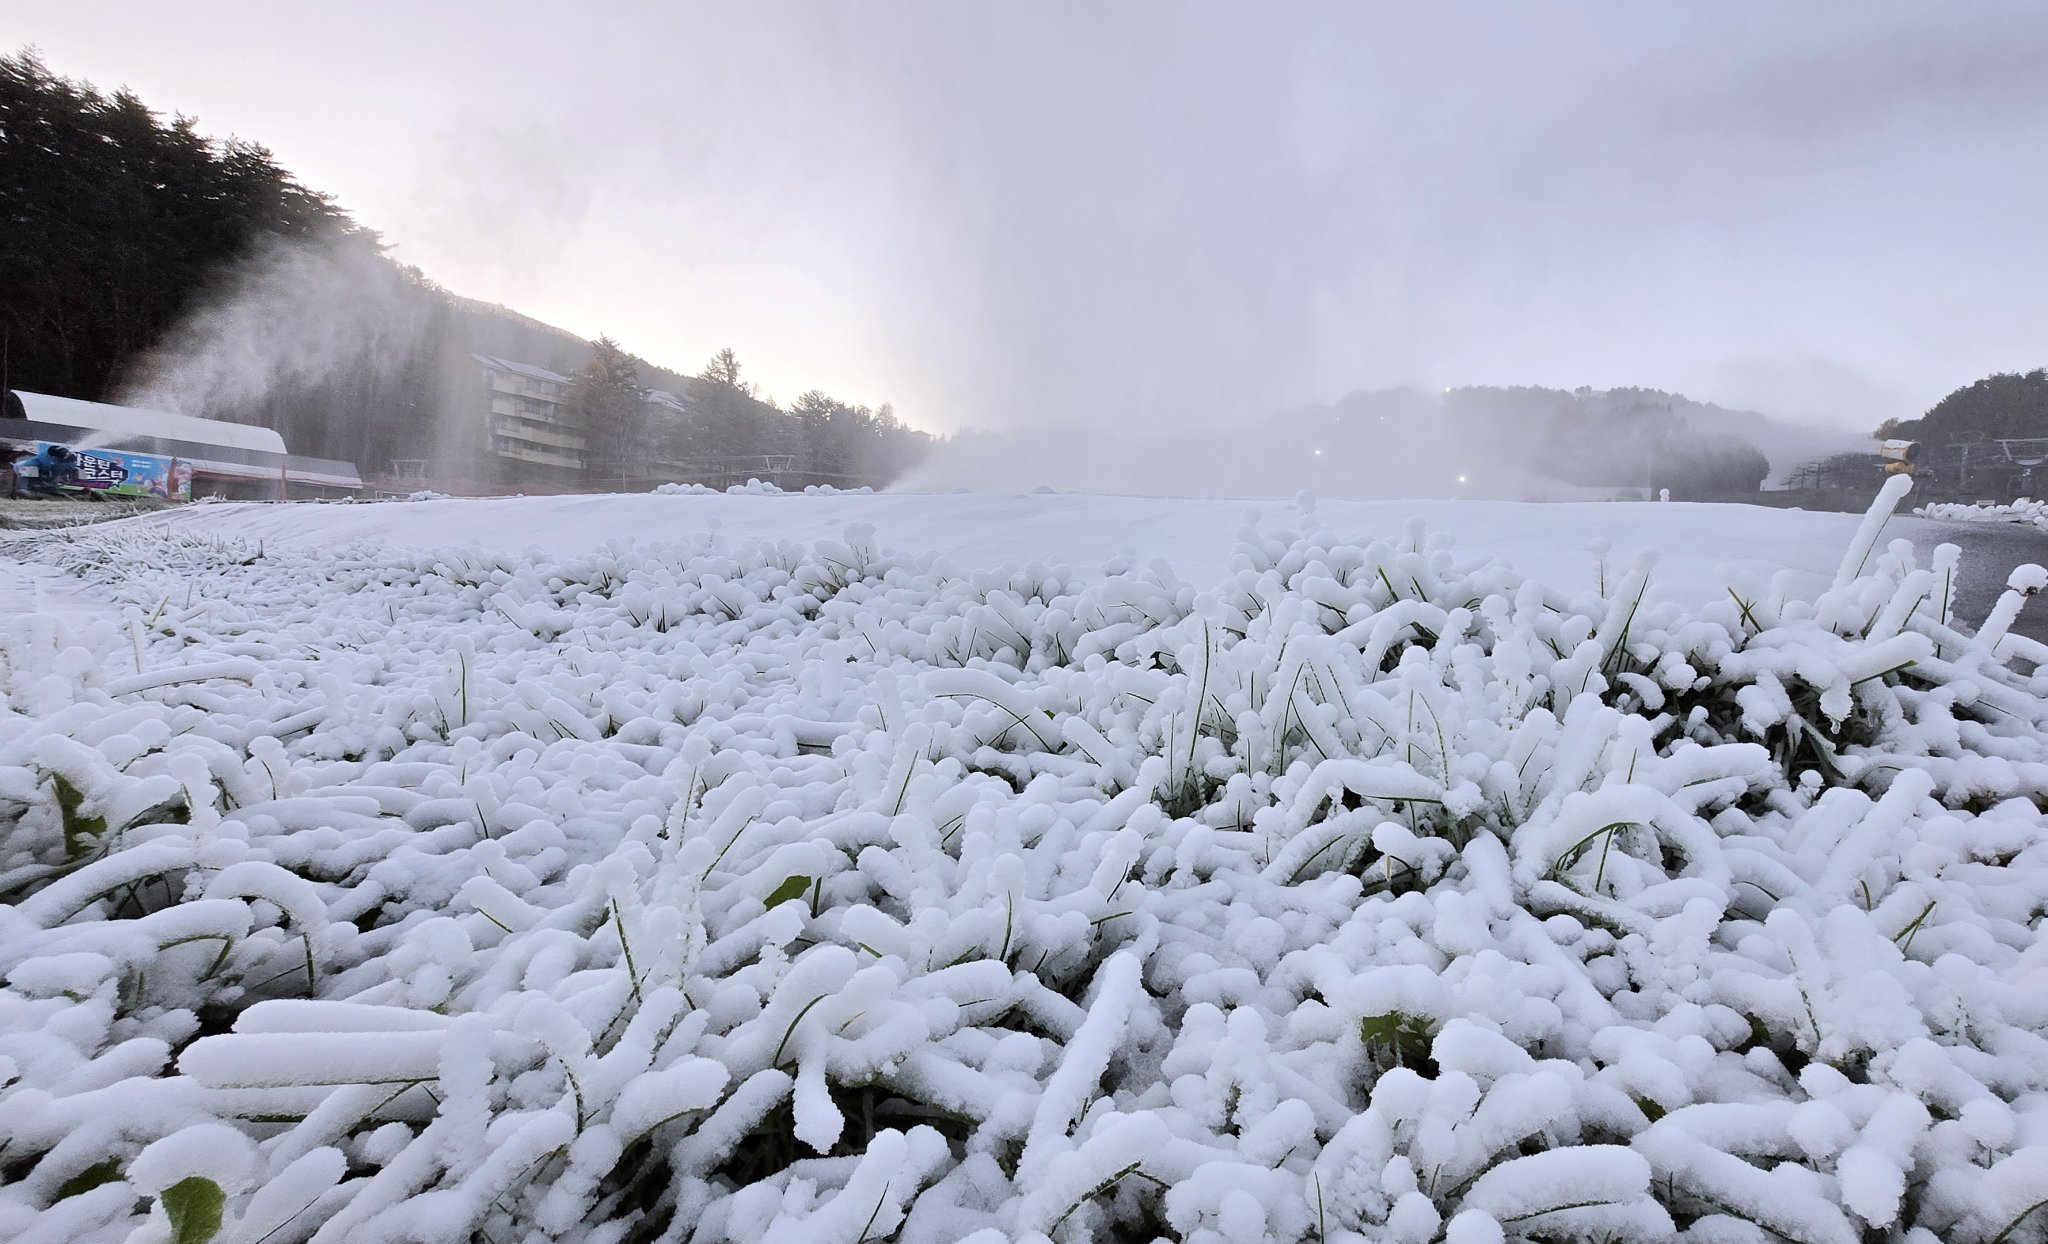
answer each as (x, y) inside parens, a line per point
(1990, 551)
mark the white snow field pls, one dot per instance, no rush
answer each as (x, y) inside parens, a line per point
(723, 890)
(1196, 537)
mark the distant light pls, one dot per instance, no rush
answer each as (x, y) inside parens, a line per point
(1319, 453)
(1461, 479)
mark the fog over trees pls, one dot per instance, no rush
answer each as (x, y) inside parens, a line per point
(145, 262)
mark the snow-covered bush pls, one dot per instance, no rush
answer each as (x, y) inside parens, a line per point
(713, 892)
(686, 490)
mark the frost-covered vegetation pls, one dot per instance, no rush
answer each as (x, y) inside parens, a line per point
(45, 514)
(2024, 511)
(715, 892)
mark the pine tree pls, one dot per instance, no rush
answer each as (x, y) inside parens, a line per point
(610, 401)
(729, 423)
(724, 369)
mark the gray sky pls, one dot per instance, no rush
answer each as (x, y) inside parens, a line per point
(1143, 213)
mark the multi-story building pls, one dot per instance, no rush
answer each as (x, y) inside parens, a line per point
(532, 436)
(530, 433)
(520, 433)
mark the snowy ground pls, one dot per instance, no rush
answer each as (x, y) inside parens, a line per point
(43, 513)
(1700, 548)
(1350, 888)
(1197, 537)
(29, 590)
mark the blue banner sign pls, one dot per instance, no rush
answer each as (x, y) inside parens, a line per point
(125, 474)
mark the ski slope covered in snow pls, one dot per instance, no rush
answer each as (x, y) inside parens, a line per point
(1196, 536)
(770, 885)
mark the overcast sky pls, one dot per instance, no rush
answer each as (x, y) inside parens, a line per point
(1139, 213)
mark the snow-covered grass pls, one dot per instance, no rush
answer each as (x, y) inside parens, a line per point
(729, 891)
(44, 514)
(2030, 513)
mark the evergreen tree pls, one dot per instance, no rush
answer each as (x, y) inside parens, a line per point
(731, 426)
(724, 370)
(813, 415)
(609, 400)
(114, 225)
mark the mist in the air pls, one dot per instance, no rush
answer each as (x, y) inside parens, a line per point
(1162, 219)
(1116, 244)
(291, 315)
(1472, 443)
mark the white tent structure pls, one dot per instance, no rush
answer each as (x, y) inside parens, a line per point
(125, 422)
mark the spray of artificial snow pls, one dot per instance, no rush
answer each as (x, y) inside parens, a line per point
(291, 315)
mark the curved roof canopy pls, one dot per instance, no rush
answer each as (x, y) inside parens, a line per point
(125, 421)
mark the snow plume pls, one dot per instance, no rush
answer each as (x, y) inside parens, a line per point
(291, 316)
(1415, 455)
(1512, 444)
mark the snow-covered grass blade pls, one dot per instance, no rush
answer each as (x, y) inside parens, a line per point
(710, 892)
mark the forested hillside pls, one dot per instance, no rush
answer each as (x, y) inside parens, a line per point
(143, 261)
(119, 223)
(2004, 405)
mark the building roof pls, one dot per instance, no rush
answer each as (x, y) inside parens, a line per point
(495, 363)
(122, 422)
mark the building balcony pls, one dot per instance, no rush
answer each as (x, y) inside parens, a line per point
(519, 429)
(545, 390)
(534, 413)
(519, 452)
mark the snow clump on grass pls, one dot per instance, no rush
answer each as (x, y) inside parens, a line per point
(716, 892)
(2031, 513)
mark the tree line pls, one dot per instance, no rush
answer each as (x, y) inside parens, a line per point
(130, 244)
(1957, 458)
(725, 428)
(2004, 405)
(119, 223)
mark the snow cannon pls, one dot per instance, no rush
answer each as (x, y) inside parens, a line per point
(1899, 456)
